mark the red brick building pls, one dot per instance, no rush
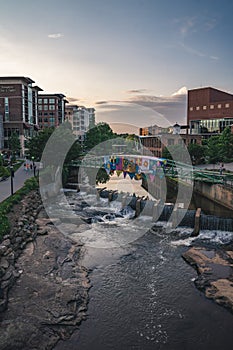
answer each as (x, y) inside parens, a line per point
(209, 110)
(156, 144)
(18, 107)
(51, 110)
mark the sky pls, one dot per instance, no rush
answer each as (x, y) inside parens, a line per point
(132, 60)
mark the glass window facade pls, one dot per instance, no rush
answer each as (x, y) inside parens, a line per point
(210, 125)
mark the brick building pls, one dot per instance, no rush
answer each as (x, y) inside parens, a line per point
(209, 110)
(18, 106)
(156, 144)
(51, 110)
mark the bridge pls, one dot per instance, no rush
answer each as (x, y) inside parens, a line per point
(135, 165)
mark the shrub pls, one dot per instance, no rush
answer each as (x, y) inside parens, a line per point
(7, 204)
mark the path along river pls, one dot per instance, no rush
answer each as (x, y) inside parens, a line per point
(143, 294)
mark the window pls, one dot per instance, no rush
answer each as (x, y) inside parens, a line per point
(211, 106)
(197, 108)
(45, 107)
(191, 108)
(227, 105)
(39, 100)
(40, 108)
(170, 142)
(51, 107)
(219, 105)
(204, 107)
(51, 100)
(45, 100)
(6, 109)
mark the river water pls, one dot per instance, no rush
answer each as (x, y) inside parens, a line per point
(143, 294)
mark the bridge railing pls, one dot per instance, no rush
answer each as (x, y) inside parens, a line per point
(170, 168)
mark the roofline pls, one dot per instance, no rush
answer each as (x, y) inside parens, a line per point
(211, 88)
(29, 80)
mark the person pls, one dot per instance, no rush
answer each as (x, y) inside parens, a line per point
(221, 168)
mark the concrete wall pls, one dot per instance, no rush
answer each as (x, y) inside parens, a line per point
(218, 193)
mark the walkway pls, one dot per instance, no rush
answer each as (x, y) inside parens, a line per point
(227, 166)
(18, 182)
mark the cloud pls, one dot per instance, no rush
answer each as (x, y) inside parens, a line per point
(55, 36)
(144, 110)
(182, 91)
(210, 24)
(101, 102)
(73, 99)
(216, 58)
(137, 91)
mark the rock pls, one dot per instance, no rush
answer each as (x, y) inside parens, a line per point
(215, 273)
(3, 249)
(4, 263)
(7, 276)
(6, 242)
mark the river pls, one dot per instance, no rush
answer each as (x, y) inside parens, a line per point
(143, 294)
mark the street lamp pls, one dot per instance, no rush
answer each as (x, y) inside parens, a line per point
(12, 175)
(34, 166)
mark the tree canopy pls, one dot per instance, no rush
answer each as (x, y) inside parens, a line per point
(100, 133)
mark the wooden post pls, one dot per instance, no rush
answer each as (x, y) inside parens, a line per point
(138, 207)
(196, 230)
(124, 201)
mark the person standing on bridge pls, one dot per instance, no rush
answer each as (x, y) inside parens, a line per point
(221, 168)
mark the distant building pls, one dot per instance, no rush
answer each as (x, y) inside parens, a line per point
(18, 106)
(209, 110)
(176, 129)
(91, 112)
(51, 110)
(154, 130)
(156, 144)
(81, 119)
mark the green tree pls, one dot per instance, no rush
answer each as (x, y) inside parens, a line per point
(177, 153)
(213, 150)
(226, 145)
(14, 144)
(197, 153)
(36, 145)
(95, 136)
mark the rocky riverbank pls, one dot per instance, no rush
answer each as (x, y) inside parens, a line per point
(44, 289)
(215, 273)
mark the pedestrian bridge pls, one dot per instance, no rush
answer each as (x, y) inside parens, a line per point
(137, 166)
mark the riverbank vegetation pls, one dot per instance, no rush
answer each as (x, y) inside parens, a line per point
(7, 205)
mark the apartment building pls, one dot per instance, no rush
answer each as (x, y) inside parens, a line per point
(81, 119)
(51, 110)
(18, 107)
(209, 110)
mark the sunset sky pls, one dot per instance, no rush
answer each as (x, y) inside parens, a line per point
(133, 60)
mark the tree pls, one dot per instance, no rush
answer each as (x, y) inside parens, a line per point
(213, 149)
(36, 145)
(100, 133)
(197, 153)
(14, 144)
(177, 153)
(226, 145)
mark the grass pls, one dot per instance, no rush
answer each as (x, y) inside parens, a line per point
(7, 204)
